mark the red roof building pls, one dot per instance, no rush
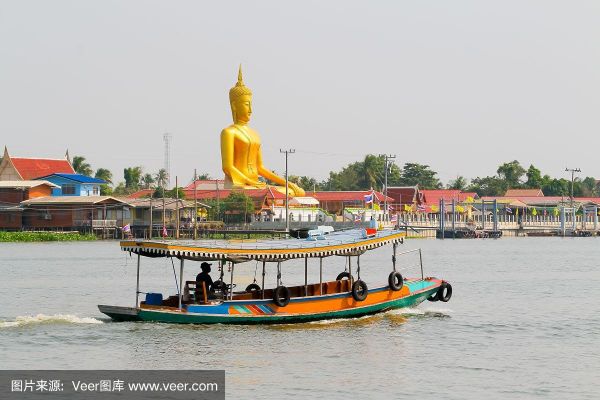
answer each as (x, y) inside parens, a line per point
(524, 193)
(433, 197)
(140, 194)
(23, 169)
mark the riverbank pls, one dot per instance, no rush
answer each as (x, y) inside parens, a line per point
(45, 237)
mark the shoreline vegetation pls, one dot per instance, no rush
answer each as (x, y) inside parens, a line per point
(45, 237)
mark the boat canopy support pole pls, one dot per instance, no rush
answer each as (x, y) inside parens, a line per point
(180, 280)
(231, 281)
(350, 268)
(395, 246)
(263, 280)
(137, 285)
(421, 262)
(358, 267)
(321, 274)
(305, 276)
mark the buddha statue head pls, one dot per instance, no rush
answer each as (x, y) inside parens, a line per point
(240, 98)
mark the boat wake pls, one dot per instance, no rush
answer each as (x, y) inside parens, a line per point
(48, 319)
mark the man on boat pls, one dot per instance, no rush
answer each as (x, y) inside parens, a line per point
(204, 276)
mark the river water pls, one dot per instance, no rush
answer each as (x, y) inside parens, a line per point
(524, 322)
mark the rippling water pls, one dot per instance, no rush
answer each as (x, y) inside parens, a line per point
(524, 322)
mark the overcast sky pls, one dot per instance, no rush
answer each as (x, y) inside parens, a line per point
(459, 85)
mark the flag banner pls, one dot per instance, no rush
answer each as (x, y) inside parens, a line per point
(508, 210)
(394, 218)
(164, 231)
(126, 228)
(422, 208)
(368, 198)
(434, 208)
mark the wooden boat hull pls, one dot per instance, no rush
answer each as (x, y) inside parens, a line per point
(300, 309)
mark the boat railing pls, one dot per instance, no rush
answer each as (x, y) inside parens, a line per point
(419, 265)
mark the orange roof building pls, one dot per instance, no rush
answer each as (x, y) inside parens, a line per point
(24, 169)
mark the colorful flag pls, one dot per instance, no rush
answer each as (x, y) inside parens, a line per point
(407, 208)
(368, 198)
(126, 228)
(164, 232)
(545, 212)
(434, 208)
(508, 210)
(357, 217)
(534, 212)
(460, 209)
(394, 218)
(555, 211)
(421, 208)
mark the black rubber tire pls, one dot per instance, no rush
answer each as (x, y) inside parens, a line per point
(252, 287)
(343, 275)
(360, 290)
(447, 288)
(434, 297)
(281, 296)
(396, 281)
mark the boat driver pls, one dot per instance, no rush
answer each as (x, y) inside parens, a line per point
(204, 276)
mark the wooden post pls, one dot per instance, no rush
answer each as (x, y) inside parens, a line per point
(150, 236)
(305, 276)
(263, 280)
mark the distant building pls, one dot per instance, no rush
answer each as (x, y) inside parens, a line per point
(74, 184)
(23, 169)
(524, 193)
(12, 193)
(432, 198)
(405, 197)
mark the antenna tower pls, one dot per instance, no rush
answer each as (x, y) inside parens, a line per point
(167, 139)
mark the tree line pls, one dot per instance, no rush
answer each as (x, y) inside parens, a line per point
(369, 173)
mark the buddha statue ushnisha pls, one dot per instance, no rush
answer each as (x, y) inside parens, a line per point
(241, 154)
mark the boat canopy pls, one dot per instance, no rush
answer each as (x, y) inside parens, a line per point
(341, 243)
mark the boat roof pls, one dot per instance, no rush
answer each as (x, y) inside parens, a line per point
(348, 243)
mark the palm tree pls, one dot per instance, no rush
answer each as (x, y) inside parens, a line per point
(81, 167)
(161, 178)
(132, 176)
(148, 180)
(104, 174)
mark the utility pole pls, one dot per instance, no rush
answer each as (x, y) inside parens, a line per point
(287, 216)
(195, 205)
(572, 171)
(385, 189)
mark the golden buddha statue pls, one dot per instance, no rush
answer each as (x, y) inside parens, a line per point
(241, 156)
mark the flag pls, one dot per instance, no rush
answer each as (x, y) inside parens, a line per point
(368, 198)
(545, 212)
(460, 209)
(555, 211)
(517, 213)
(394, 218)
(534, 212)
(469, 199)
(508, 210)
(164, 232)
(126, 228)
(434, 208)
(390, 208)
(407, 208)
(357, 218)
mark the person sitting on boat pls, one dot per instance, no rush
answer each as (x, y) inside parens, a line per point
(204, 276)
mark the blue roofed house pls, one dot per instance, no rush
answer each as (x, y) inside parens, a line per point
(74, 184)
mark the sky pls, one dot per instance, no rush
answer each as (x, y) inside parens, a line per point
(462, 86)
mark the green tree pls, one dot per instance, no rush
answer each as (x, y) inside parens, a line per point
(534, 178)
(204, 177)
(238, 207)
(588, 187)
(81, 166)
(488, 186)
(511, 173)
(147, 181)
(557, 187)
(460, 183)
(105, 175)
(172, 193)
(133, 176)
(161, 178)
(419, 174)
(305, 182)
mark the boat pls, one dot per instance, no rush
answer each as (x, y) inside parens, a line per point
(346, 297)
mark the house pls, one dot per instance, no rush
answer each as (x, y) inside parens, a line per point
(335, 202)
(12, 193)
(515, 193)
(22, 169)
(74, 184)
(405, 197)
(84, 213)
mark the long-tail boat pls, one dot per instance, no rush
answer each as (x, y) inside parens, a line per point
(346, 297)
